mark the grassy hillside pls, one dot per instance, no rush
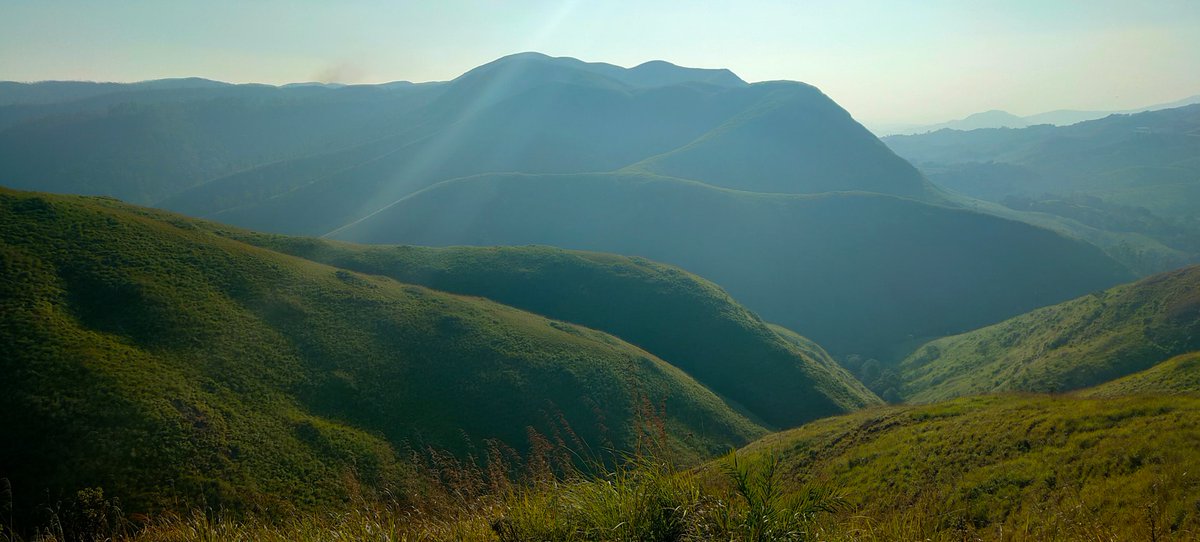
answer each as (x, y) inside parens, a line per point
(994, 468)
(858, 273)
(1178, 375)
(1072, 345)
(1004, 468)
(679, 317)
(153, 358)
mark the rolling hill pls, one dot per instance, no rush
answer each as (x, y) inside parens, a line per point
(1080, 343)
(167, 364)
(679, 317)
(864, 267)
(1178, 375)
(856, 272)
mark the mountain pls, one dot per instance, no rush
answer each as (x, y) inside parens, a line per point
(150, 356)
(1080, 343)
(794, 139)
(1128, 175)
(858, 273)
(995, 467)
(342, 162)
(1004, 119)
(1178, 375)
(677, 316)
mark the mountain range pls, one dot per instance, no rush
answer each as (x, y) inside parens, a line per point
(1127, 183)
(771, 190)
(1002, 119)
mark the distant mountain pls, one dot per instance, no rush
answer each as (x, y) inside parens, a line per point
(1130, 175)
(858, 273)
(1004, 119)
(1084, 342)
(342, 162)
(150, 356)
(47, 92)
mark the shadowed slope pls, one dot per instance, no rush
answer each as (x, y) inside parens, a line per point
(855, 272)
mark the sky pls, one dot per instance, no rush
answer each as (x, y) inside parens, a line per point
(886, 62)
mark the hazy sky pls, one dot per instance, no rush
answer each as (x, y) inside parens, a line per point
(919, 60)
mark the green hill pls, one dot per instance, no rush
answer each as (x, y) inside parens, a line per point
(148, 355)
(858, 273)
(1178, 375)
(679, 317)
(1076, 344)
(1004, 468)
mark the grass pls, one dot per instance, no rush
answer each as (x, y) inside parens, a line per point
(681, 318)
(176, 368)
(1001, 468)
(1080, 343)
(1178, 375)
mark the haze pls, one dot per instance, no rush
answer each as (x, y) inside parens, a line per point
(884, 61)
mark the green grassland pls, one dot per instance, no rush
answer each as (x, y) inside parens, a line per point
(1178, 375)
(170, 365)
(1001, 467)
(1006, 467)
(679, 317)
(1080, 343)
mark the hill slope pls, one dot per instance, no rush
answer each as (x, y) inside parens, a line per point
(1178, 375)
(160, 361)
(855, 272)
(1005, 467)
(1072, 345)
(677, 316)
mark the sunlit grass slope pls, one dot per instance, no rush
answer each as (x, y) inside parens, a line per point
(148, 356)
(1178, 375)
(683, 319)
(1072, 345)
(1006, 468)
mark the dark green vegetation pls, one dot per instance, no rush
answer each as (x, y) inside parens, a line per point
(677, 316)
(151, 357)
(863, 273)
(863, 277)
(1134, 180)
(1083, 342)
